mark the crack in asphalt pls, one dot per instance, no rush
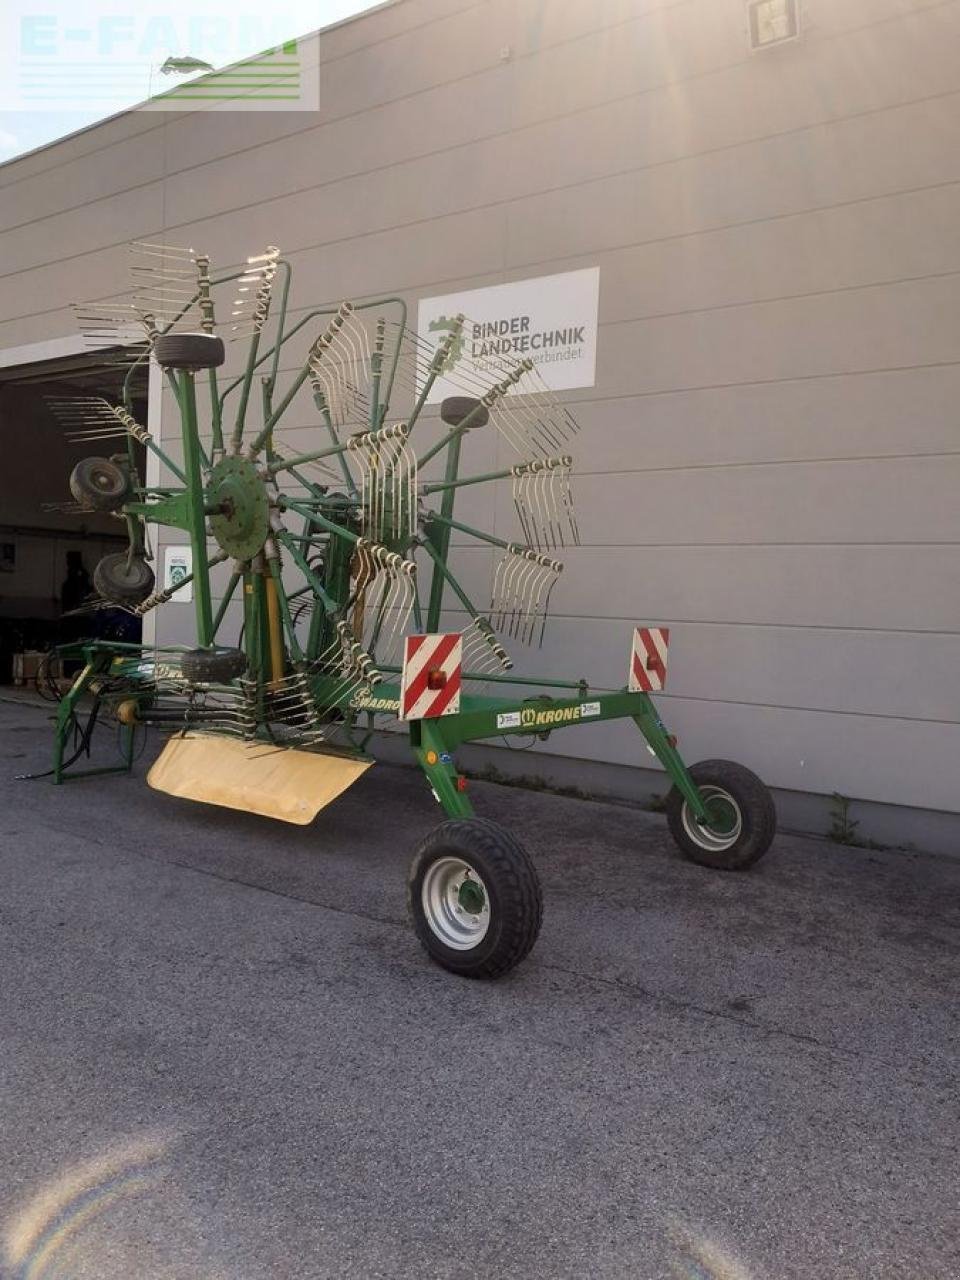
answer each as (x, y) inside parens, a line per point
(635, 991)
(632, 991)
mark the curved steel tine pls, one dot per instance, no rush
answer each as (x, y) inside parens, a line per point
(532, 500)
(526, 601)
(551, 505)
(497, 590)
(539, 479)
(511, 597)
(527, 595)
(539, 613)
(408, 514)
(399, 605)
(517, 488)
(571, 511)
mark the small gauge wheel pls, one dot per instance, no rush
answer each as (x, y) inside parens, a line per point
(475, 898)
(741, 817)
(99, 484)
(124, 580)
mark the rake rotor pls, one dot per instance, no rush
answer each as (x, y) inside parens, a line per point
(353, 516)
(338, 600)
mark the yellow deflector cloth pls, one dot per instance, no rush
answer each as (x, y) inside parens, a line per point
(277, 782)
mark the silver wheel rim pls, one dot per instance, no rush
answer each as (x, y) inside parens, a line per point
(703, 837)
(441, 896)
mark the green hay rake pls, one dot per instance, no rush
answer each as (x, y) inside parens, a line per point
(339, 556)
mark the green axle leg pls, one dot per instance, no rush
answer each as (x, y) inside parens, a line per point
(430, 747)
(65, 716)
(192, 465)
(96, 664)
(442, 535)
(652, 728)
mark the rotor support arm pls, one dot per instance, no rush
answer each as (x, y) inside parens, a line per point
(196, 508)
(442, 545)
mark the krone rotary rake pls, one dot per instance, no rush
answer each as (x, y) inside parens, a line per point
(337, 561)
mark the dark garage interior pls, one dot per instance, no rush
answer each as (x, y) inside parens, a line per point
(48, 546)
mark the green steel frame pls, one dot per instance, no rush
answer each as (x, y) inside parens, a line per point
(121, 673)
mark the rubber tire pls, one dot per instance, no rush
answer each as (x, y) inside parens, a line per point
(455, 409)
(513, 886)
(213, 666)
(190, 351)
(118, 584)
(757, 811)
(99, 484)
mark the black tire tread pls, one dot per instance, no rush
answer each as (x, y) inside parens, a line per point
(455, 409)
(192, 351)
(511, 877)
(92, 497)
(212, 666)
(116, 591)
(756, 806)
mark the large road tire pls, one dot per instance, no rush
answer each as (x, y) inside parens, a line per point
(475, 898)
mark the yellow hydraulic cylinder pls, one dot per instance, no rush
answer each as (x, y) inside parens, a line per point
(273, 626)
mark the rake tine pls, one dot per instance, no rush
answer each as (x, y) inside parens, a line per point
(571, 512)
(170, 284)
(148, 248)
(413, 479)
(545, 501)
(556, 480)
(538, 610)
(375, 492)
(522, 587)
(87, 437)
(557, 477)
(484, 648)
(377, 486)
(396, 485)
(519, 502)
(510, 597)
(390, 594)
(404, 596)
(517, 434)
(255, 287)
(497, 589)
(539, 504)
(394, 593)
(528, 595)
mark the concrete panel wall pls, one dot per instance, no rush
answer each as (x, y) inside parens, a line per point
(769, 458)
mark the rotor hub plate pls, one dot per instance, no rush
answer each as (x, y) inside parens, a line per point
(241, 527)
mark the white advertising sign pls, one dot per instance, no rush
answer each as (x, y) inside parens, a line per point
(177, 565)
(551, 320)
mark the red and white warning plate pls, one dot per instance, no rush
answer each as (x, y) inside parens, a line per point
(648, 659)
(432, 675)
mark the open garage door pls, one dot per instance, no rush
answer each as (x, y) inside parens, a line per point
(48, 549)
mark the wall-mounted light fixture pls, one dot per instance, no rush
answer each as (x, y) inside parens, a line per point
(773, 21)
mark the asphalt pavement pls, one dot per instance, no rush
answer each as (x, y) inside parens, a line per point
(224, 1056)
